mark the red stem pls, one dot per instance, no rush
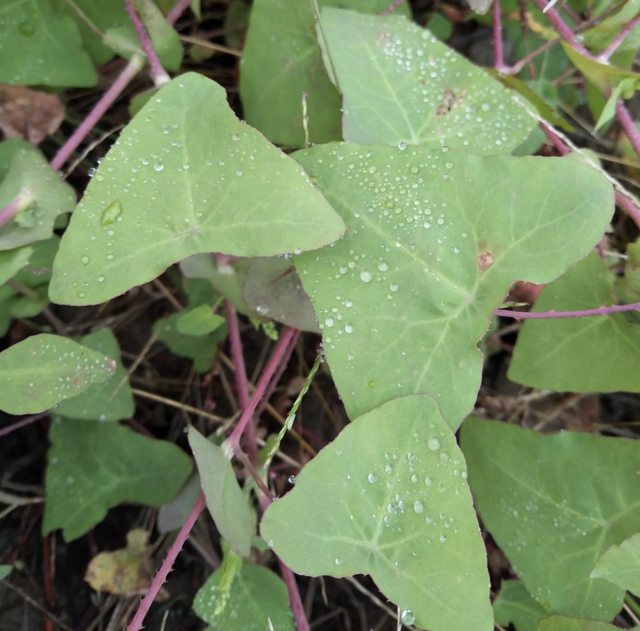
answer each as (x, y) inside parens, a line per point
(177, 11)
(628, 125)
(530, 315)
(393, 7)
(563, 30)
(555, 140)
(498, 54)
(167, 565)
(159, 73)
(11, 210)
(22, 423)
(613, 46)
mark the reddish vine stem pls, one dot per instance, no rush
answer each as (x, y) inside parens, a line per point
(12, 209)
(177, 11)
(498, 53)
(159, 73)
(563, 30)
(25, 421)
(620, 37)
(167, 565)
(393, 7)
(628, 125)
(530, 315)
(241, 378)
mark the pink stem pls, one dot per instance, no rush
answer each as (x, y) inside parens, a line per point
(107, 100)
(563, 30)
(278, 353)
(627, 205)
(521, 63)
(167, 565)
(22, 423)
(498, 54)
(528, 315)
(12, 209)
(159, 73)
(177, 11)
(241, 378)
(555, 140)
(628, 125)
(388, 10)
(613, 46)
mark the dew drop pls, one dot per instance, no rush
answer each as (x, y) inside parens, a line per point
(85, 260)
(402, 146)
(365, 276)
(418, 507)
(372, 477)
(433, 444)
(338, 561)
(393, 287)
(348, 328)
(382, 266)
(329, 322)
(407, 617)
(443, 539)
(158, 166)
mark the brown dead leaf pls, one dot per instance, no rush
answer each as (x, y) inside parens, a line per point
(127, 571)
(28, 114)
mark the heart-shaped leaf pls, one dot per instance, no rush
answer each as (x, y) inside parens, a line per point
(621, 565)
(425, 92)
(548, 506)
(44, 369)
(185, 177)
(594, 354)
(389, 498)
(562, 623)
(278, 69)
(36, 190)
(434, 240)
(95, 466)
(516, 605)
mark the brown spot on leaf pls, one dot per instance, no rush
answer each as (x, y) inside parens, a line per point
(485, 260)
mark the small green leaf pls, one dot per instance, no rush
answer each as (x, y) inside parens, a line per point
(99, 403)
(12, 261)
(45, 369)
(425, 92)
(254, 597)
(174, 514)
(546, 503)
(625, 89)
(95, 466)
(632, 266)
(389, 498)
(594, 354)
(49, 47)
(45, 196)
(605, 31)
(434, 240)
(226, 502)
(5, 570)
(561, 623)
(276, 71)
(198, 321)
(516, 605)
(209, 184)
(621, 565)
(163, 37)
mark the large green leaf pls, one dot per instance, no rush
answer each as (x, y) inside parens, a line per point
(37, 187)
(389, 498)
(226, 502)
(281, 61)
(401, 85)
(101, 402)
(95, 466)
(255, 597)
(517, 606)
(186, 176)
(561, 623)
(621, 565)
(548, 505)
(12, 261)
(597, 353)
(434, 239)
(40, 48)
(45, 369)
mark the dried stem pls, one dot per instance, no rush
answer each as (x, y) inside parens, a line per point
(620, 37)
(498, 54)
(530, 315)
(160, 75)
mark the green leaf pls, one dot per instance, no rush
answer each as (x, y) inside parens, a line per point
(12, 261)
(548, 506)
(99, 403)
(625, 89)
(174, 514)
(621, 565)
(515, 605)
(593, 354)
(41, 193)
(104, 15)
(201, 349)
(425, 92)
(600, 36)
(5, 570)
(272, 288)
(208, 184)
(163, 37)
(632, 266)
(254, 597)
(95, 466)
(226, 502)
(560, 623)
(43, 370)
(198, 321)
(434, 240)
(41, 48)
(389, 498)
(276, 71)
